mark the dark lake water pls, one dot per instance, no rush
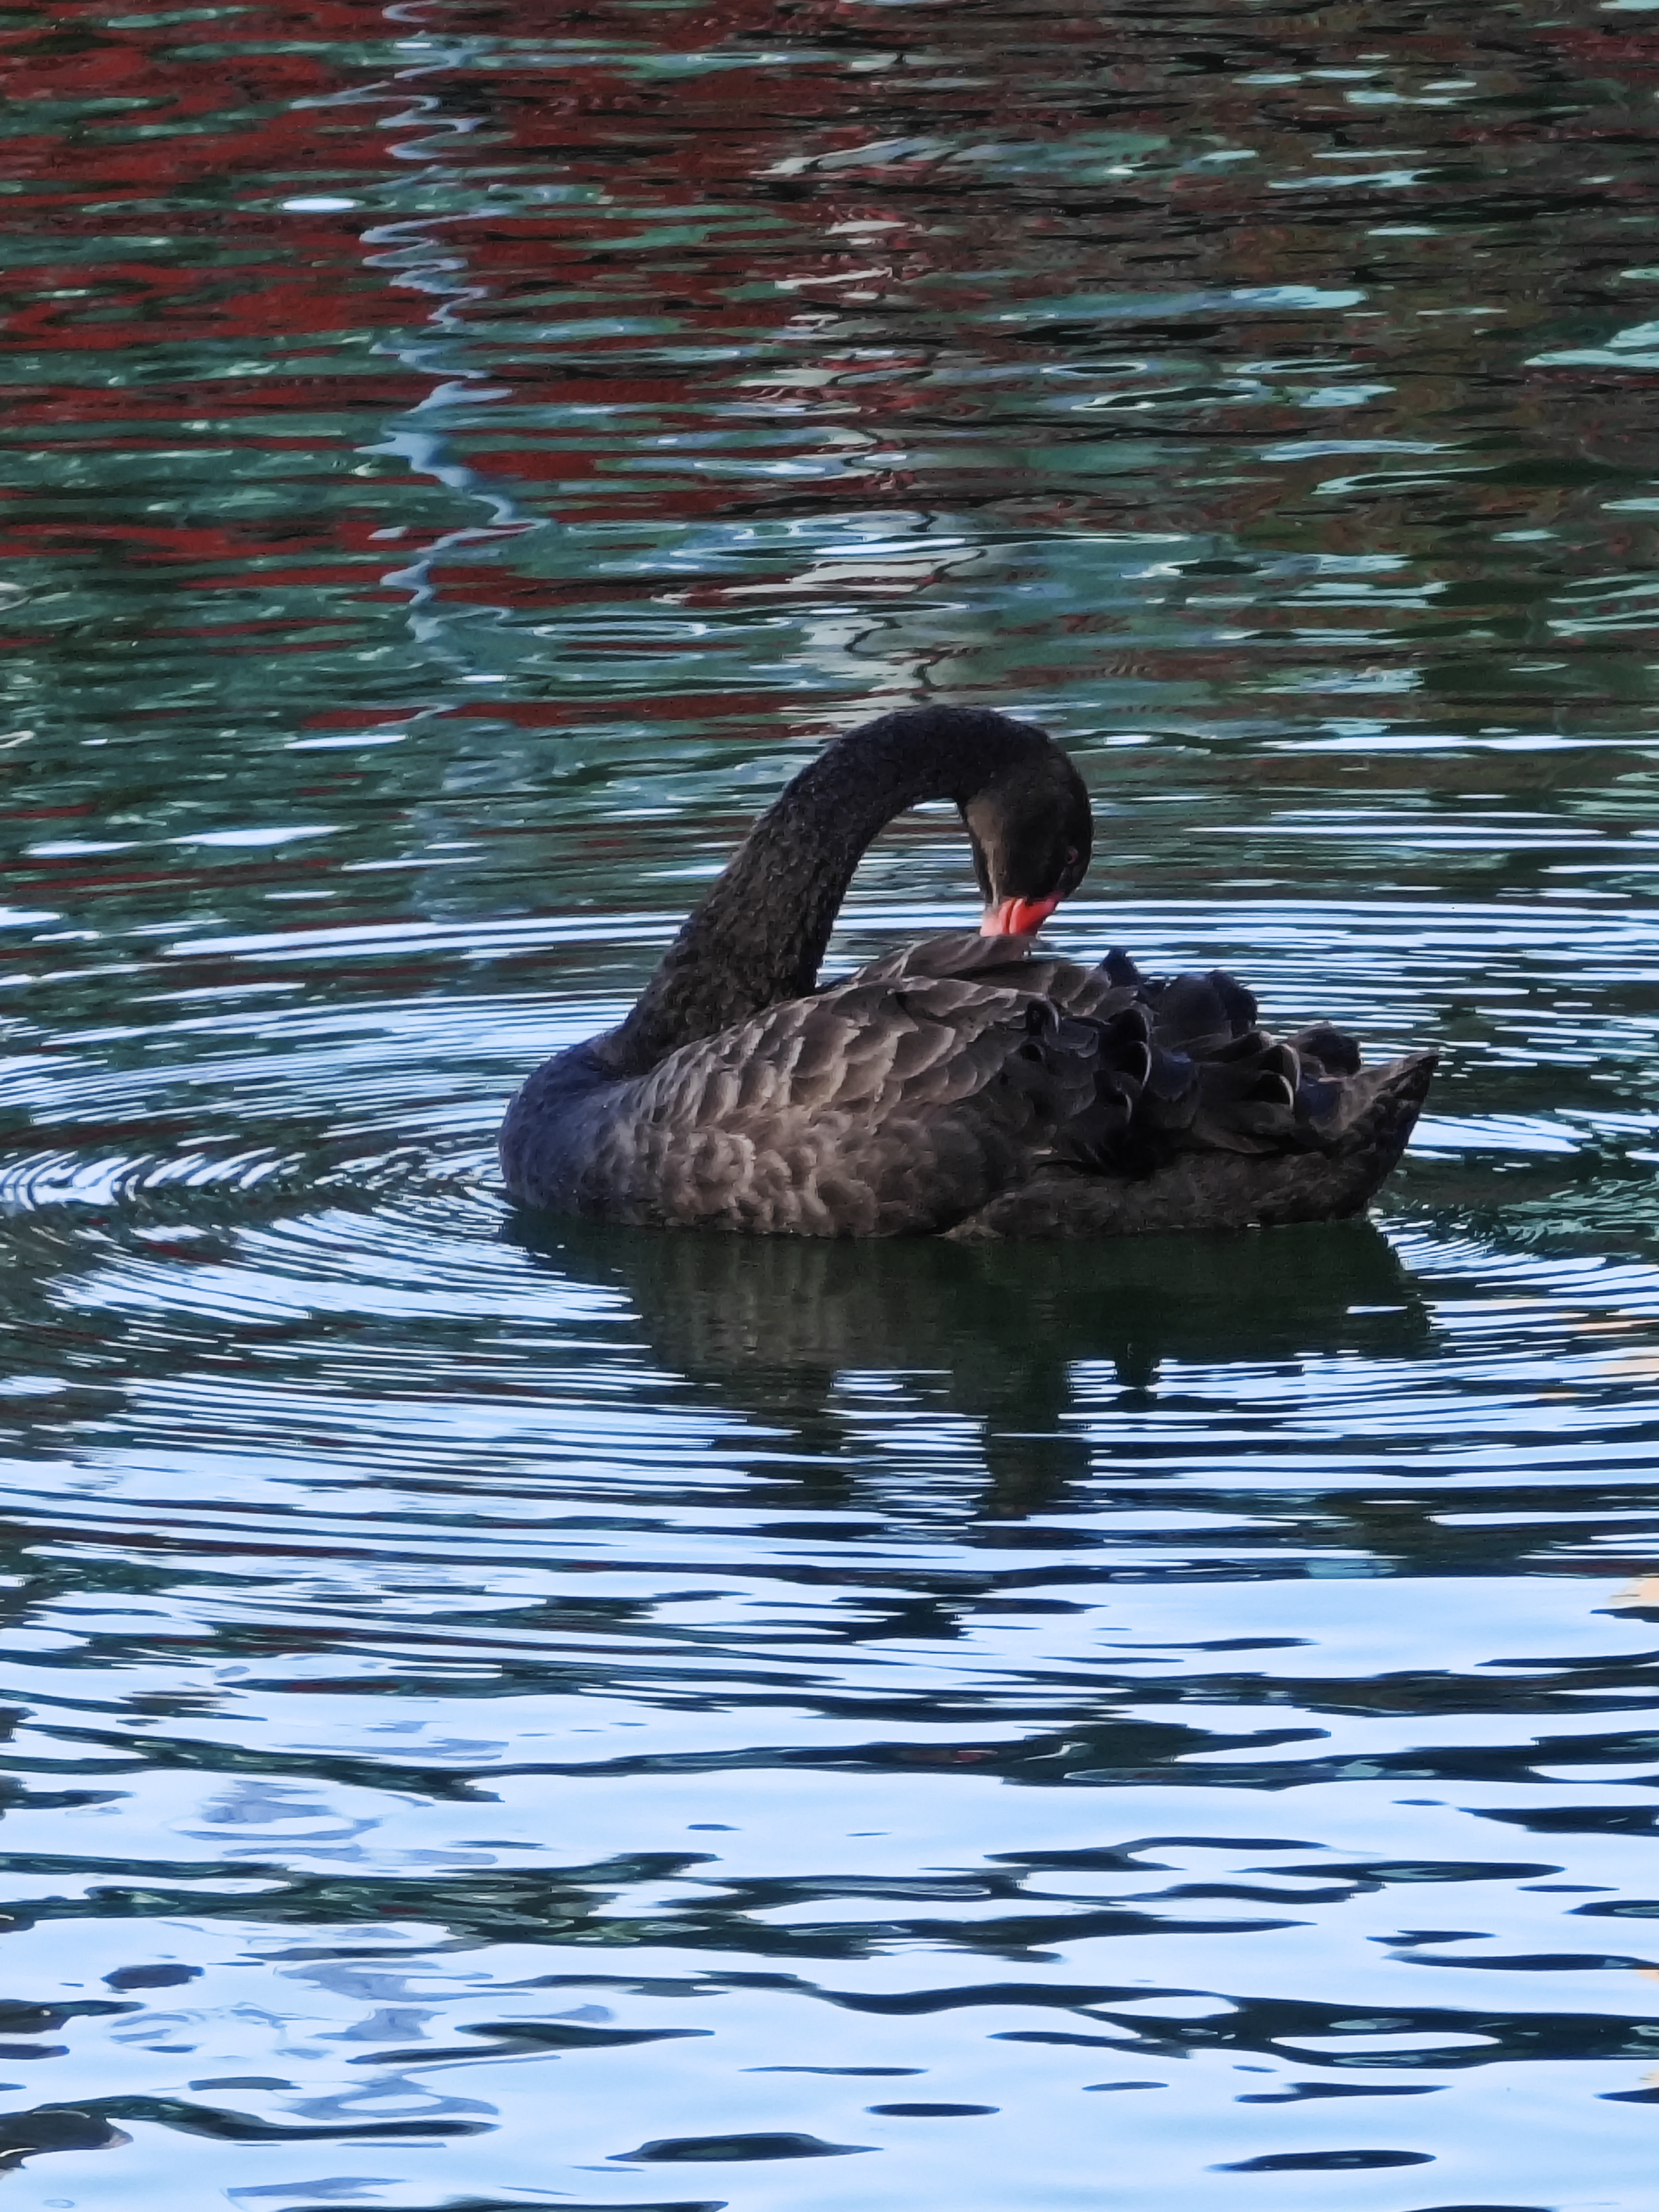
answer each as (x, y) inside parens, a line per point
(501, 1717)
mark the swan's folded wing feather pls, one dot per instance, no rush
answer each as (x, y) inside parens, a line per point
(875, 1108)
(957, 952)
(901, 1102)
(1013, 964)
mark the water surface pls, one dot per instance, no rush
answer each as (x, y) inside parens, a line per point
(505, 1716)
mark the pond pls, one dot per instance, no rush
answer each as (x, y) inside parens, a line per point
(500, 1714)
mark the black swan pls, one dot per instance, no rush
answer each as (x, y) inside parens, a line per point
(967, 1087)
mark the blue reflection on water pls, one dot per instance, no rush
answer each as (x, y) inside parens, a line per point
(497, 1711)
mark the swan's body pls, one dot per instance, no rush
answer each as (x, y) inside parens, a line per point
(969, 1087)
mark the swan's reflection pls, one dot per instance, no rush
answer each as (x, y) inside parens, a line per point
(991, 1332)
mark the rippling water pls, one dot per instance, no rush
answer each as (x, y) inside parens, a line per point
(501, 1715)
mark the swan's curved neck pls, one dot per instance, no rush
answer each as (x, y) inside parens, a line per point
(759, 935)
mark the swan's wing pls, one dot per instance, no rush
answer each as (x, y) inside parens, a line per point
(879, 1108)
(902, 1100)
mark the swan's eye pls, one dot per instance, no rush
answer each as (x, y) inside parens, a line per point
(1070, 856)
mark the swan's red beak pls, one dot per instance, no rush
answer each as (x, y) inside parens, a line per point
(1014, 917)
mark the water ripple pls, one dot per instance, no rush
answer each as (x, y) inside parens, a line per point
(834, 1708)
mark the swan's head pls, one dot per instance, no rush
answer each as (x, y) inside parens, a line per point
(1032, 831)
